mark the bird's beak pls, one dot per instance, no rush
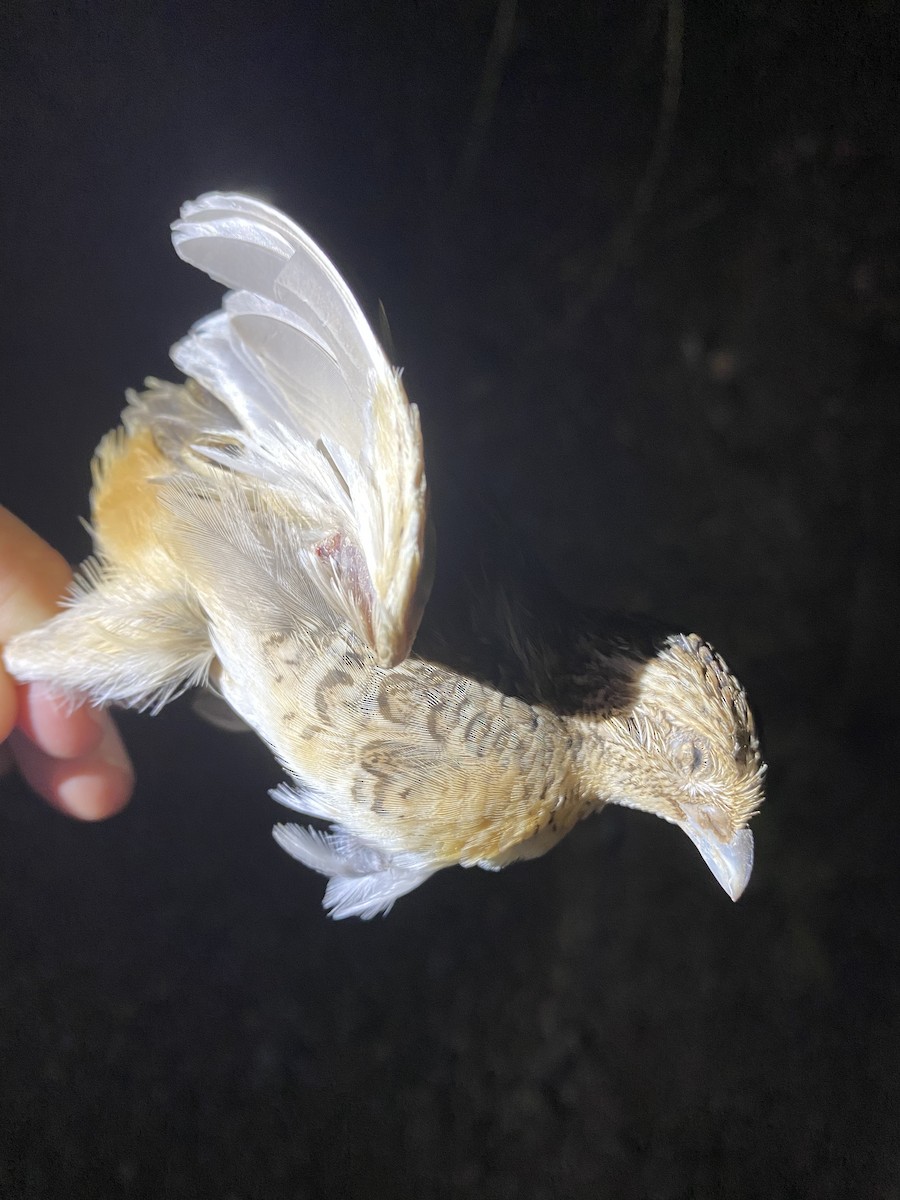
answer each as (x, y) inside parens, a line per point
(731, 862)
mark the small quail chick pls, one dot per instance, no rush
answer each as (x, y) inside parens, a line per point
(262, 530)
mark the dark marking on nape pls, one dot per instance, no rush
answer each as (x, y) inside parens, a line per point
(274, 639)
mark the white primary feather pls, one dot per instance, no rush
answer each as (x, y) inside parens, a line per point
(318, 411)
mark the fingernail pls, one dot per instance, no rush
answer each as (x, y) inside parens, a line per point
(94, 793)
(101, 784)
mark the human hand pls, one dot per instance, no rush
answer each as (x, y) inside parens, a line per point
(74, 758)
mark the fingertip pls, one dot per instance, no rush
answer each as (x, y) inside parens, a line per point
(69, 753)
(100, 784)
(60, 725)
(32, 577)
(91, 788)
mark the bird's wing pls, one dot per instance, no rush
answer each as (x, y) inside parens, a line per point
(315, 412)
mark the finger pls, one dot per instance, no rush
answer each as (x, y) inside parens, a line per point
(72, 757)
(9, 704)
(33, 576)
(56, 724)
(92, 787)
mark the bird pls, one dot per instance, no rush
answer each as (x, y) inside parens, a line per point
(262, 530)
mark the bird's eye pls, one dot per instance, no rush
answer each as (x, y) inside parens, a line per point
(692, 754)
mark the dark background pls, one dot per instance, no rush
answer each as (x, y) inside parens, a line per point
(646, 284)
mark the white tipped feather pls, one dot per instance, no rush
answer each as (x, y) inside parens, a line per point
(318, 410)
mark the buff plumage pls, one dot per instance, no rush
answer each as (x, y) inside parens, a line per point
(261, 530)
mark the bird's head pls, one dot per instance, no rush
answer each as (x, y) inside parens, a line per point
(685, 748)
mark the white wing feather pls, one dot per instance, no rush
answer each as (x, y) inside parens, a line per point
(319, 413)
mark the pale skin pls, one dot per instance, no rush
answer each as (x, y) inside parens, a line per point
(73, 758)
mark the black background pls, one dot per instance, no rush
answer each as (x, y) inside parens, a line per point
(671, 346)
